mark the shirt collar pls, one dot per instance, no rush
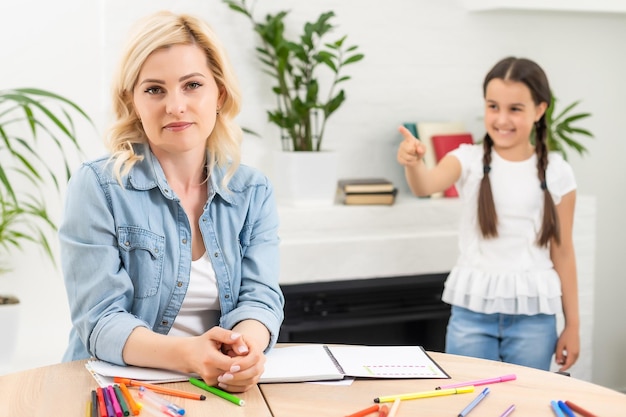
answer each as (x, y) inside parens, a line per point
(148, 174)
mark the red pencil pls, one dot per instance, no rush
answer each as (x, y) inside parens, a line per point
(579, 409)
(384, 410)
(102, 408)
(365, 411)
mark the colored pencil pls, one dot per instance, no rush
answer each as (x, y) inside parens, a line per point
(424, 394)
(365, 411)
(134, 408)
(121, 400)
(394, 407)
(162, 390)
(503, 378)
(102, 409)
(223, 394)
(579, 409)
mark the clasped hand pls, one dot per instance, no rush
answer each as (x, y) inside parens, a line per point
(225, 359)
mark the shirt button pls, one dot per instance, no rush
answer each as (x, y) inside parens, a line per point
(179, 284)
(166, 191)
(216, 254)
(227, 296)
(184, 241)
(164, 323)
(127, 243)
(156, 250)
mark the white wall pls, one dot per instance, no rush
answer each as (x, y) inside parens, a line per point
(425, 61)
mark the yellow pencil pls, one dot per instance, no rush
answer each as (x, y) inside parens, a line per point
(424, 394)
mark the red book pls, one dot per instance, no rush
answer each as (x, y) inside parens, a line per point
(444, 143)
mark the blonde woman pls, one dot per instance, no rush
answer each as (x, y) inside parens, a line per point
(169, 246)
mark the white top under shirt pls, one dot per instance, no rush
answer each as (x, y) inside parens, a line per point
(510, 274)
(201, 308)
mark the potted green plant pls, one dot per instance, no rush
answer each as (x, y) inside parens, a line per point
(295, 65)
(307, 72)
(561, 130)
(30, 119)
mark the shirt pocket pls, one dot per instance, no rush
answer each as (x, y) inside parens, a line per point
(142, 253)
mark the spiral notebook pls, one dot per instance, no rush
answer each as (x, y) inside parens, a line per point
(324, 363)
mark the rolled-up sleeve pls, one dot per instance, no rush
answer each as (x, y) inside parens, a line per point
(99, 291)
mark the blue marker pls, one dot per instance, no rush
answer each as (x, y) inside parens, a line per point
(474, 403)
(566, 410)
(557, 409)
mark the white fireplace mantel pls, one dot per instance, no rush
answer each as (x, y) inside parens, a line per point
(414, 236)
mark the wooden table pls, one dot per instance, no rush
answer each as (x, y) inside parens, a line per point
(531, 393)
(64, 390)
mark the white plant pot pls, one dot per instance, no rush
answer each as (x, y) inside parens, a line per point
(305, 178)
(9, 325)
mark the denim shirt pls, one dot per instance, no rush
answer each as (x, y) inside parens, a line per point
(126, 253)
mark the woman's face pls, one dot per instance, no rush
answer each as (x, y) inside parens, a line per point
(510, 114)
(176, 98)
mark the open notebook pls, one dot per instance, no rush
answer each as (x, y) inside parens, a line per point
(302, 363)
(322, 362)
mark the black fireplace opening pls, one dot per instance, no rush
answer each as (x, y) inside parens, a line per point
(404, 310)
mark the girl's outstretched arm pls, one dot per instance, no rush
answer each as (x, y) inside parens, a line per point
(421, 179)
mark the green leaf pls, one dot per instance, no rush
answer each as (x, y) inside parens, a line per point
(30, 118)
(353, 59)
(334, 103)
(562, 129)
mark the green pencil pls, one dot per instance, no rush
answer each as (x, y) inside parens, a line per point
(121, 400)
(217, 391)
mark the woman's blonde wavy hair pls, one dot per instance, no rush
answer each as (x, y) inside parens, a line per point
(162, 30)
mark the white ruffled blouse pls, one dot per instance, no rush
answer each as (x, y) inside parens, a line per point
(510, 274)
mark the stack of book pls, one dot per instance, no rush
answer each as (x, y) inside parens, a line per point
(364, 191)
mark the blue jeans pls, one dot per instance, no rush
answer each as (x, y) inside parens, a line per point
(518, 339)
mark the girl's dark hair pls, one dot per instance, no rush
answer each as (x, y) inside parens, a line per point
(527, 72)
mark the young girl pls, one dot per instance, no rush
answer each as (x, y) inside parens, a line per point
(516, 268)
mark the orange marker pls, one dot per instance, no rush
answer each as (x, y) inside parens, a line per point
(134, 407)
(365, 411)
(384, 410)
(162, 390)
